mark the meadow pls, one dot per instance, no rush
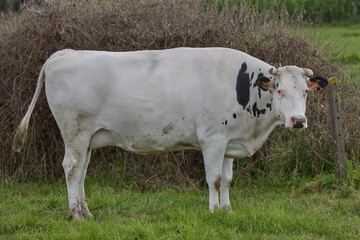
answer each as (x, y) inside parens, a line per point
(39, 211)
(347, 37)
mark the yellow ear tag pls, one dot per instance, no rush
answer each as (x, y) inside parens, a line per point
(333, 80)
(314, 86)
(265, 85)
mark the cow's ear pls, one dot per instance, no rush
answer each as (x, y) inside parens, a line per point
(317, 83)
(264, 83)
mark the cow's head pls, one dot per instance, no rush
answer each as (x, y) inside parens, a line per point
(290, 86)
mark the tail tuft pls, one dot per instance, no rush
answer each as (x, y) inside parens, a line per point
(20, 135)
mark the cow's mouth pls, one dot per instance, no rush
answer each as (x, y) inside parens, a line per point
(296, 122)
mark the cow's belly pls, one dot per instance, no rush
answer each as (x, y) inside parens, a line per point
(143, 142)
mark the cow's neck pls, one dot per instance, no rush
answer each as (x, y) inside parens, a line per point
(263, 124)
(262, 120)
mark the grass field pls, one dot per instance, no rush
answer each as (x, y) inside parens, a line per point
(346, 36)
(39, 211)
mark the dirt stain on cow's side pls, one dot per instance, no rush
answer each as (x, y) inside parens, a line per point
(150, 141)
(168, 128)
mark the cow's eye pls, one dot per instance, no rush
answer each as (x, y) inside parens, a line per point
(280, 92)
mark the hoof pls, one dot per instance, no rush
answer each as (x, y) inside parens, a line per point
(228, 208)
(81, 215)
(214, 208)
(75, 216)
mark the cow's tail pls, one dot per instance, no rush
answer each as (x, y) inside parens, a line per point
(22, 130)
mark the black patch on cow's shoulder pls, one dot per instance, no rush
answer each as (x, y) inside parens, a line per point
(252, 75)
(248, 109)
(256, 111)
(234, 115)
(225, 122)
(243, 86)
(268, 105)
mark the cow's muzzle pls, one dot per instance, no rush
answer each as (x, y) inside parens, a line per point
(298, 122)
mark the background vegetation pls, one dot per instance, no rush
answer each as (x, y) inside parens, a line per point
(274, 36)
(320, 11)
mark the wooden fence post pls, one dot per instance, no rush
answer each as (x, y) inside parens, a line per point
(340, 159)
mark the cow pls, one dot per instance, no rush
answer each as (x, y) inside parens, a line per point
(221, 101)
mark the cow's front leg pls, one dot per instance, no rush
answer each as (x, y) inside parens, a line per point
(226, 178)
(213, 160)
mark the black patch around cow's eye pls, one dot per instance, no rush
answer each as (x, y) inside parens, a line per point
(243, 86)
(234, 115)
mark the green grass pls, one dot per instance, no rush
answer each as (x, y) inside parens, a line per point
(346, 36)
(39, 211)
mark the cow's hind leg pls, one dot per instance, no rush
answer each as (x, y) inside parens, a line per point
(84, 207)
(75, 164)
(226, 178)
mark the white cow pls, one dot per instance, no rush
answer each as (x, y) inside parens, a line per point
(217, 100)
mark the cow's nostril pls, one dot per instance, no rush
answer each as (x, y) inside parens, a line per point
(298, 121)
